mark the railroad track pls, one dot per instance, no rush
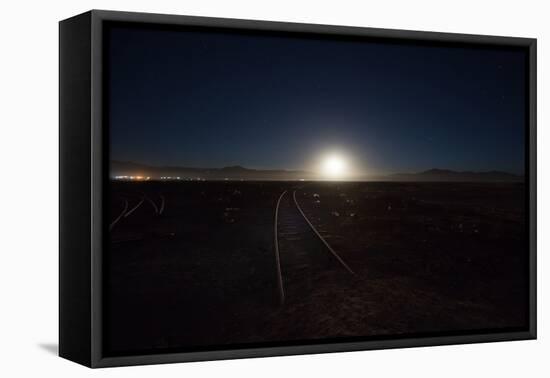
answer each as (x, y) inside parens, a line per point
(303, 256)
(127, 210)
(120, 215)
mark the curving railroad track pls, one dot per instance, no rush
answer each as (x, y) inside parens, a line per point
(137, 202)
(303, 257)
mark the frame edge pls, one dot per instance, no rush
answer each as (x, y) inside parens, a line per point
(74, 193)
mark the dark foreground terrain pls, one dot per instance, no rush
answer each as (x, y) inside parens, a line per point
(194, 264)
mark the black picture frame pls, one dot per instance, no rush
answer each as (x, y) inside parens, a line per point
(82, 187)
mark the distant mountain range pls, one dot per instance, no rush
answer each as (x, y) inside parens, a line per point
(237, 172)
(448, 175)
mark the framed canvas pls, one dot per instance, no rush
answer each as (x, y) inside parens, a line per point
(234, 188)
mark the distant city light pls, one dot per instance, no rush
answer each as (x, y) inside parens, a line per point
(132, 178)
(170, 178)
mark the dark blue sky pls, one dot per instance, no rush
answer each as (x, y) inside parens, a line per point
(213, 100)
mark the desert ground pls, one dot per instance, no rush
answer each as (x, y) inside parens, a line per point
(199, 265)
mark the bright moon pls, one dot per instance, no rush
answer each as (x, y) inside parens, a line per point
(334, 166)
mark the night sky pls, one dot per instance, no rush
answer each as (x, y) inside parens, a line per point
(206, 99)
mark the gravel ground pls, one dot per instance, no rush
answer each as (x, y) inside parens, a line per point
(428, 258)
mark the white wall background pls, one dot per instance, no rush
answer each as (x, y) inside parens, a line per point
(28, 170)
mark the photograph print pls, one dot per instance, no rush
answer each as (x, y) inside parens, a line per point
(277, 189)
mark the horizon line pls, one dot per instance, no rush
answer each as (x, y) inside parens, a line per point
(389, 173)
